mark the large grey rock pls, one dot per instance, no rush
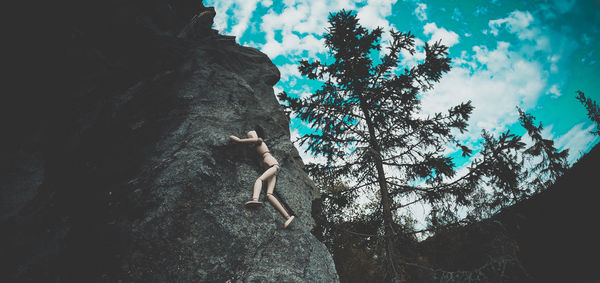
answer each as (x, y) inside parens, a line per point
(131, 176)
(199, 180)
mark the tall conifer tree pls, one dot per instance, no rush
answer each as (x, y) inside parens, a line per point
(369, 125)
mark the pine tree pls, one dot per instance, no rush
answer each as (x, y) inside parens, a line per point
(369, 125)
(506, 172)
(495, 180)
(551, 163)
(593, 110)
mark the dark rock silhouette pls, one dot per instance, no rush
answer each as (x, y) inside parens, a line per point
(553, 236)
(131, 175)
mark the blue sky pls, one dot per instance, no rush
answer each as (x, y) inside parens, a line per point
(531, 54)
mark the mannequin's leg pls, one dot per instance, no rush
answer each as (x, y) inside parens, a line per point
(258, 184)
(257, 189)
(272, 199)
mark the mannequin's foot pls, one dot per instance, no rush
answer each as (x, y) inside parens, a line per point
(287, 222)
(253, 203)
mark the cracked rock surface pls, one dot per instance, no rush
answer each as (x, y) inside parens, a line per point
(133, 177)
(199, 180)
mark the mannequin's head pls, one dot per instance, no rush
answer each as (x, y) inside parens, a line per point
(252, 134)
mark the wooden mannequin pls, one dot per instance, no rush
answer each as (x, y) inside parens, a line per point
(268, 176)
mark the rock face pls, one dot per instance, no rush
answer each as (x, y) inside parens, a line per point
(132, 176)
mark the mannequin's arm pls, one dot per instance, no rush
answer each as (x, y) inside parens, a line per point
(247, 140)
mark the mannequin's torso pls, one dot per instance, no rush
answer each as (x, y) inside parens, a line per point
(268, 159)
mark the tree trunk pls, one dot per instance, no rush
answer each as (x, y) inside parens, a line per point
(385, 201)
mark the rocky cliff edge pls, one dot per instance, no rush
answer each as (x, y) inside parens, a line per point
(132, 176)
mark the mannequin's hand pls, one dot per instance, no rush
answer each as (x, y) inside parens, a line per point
(260, 140)
(234, 138)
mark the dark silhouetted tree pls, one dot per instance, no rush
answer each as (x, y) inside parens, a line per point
(508, 171)
(593, 110)
(495, 177)
(369, 124)
(547, 162)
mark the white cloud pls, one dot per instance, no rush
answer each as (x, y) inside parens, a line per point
(243, 13)
(495, 81)
(276, 91)
(306, 156)
(374, 15)
(240, 12)
(299, 24)
(547, 133)
(518, 23)
(409, 60)
(553, 62)
(448, 38)
(554, 91)
(296, 29)
(577, 140)
(420, 11)
(304, 92)
(266, 3)
(533, 39)
(288, 71)
(221, 7)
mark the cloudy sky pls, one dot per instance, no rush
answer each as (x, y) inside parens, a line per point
(531, 54)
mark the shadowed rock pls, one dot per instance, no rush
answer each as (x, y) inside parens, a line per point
(132, 177)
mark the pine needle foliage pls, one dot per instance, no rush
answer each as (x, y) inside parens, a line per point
(548, 162)
(369, 122)
(592, 108)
